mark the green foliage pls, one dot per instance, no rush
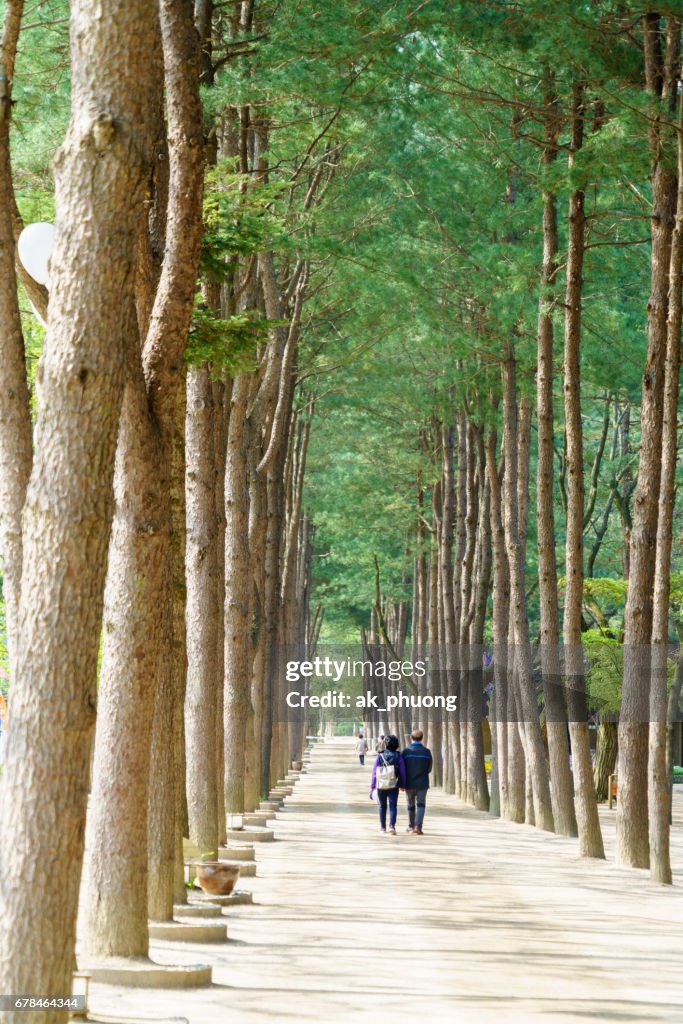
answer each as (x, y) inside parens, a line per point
(241, 217)
(434, 231)
(426, 121)
(605, 656)
(606, 660)
(226, 343)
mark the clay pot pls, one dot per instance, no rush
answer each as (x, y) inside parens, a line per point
(217, 878)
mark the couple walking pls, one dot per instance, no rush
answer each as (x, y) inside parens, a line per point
(409, 771)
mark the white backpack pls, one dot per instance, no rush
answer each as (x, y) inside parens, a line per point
(386, 775)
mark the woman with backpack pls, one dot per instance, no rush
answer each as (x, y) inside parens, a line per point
(388, 776)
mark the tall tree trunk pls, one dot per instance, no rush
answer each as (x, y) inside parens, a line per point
(524, 414)
(100, 173)
(179, 667)
(161, 799)
(257, 536)
(590, 836)
(116, 918)
(501, 615)
(274, 527)
(447, 598)
(467, 497)
(659, 778)
(476, 772)
(528, 708)
(437, 728)
(632, 809)
(555, 710)
(15, 412)
(220, 410)
(201, 560)
(237, 705)
(605, 758)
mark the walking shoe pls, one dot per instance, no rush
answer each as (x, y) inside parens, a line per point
(382, 830)
(411, 828)
(418, 832)
(392, 831)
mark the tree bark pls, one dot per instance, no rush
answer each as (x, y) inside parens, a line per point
(161, 798)
(555, 710)
(179, 666)
(476, 771)
(436, 728)
(237, 705)
(590, 836)
(116, 919)
(632, 807)
(501, 616)
(221, 413)
(468, 496)
(15, 412)
(659, 778)
(528, 708)
(257, 535)
(100, 173)
(447, 599)
(202, 612)
(605, 758)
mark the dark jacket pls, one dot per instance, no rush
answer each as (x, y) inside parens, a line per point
(418, 762)
(389, 757)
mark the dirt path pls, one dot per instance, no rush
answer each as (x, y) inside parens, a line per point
(476, 922)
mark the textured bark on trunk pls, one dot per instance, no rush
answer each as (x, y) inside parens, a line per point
(588, 822)
(436, 729)
(447, 611)
(100, 173)
(257, 537)
(201, 565)
(273, 562)
(524, 414)
(179, 666)
(15, 412)
(237, 702)
(501, 615)
(605, 758)
(221, 410)
(514, 514)
(659, 778)
(478, 791)
(468, 515)
(632, 809)
(274, 528)
(116, 913)
(161, 798)
(420, 622)
(138, 573)
(555, 709)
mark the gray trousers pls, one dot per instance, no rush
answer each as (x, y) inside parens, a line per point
(416, 800)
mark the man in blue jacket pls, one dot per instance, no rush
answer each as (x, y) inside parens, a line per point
(418, 762)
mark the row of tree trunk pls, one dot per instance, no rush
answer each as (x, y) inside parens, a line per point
(474, 541)
(154, 518)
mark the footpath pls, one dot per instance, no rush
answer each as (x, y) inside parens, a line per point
(479, 921)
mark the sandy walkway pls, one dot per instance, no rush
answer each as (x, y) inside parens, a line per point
(477, 922)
